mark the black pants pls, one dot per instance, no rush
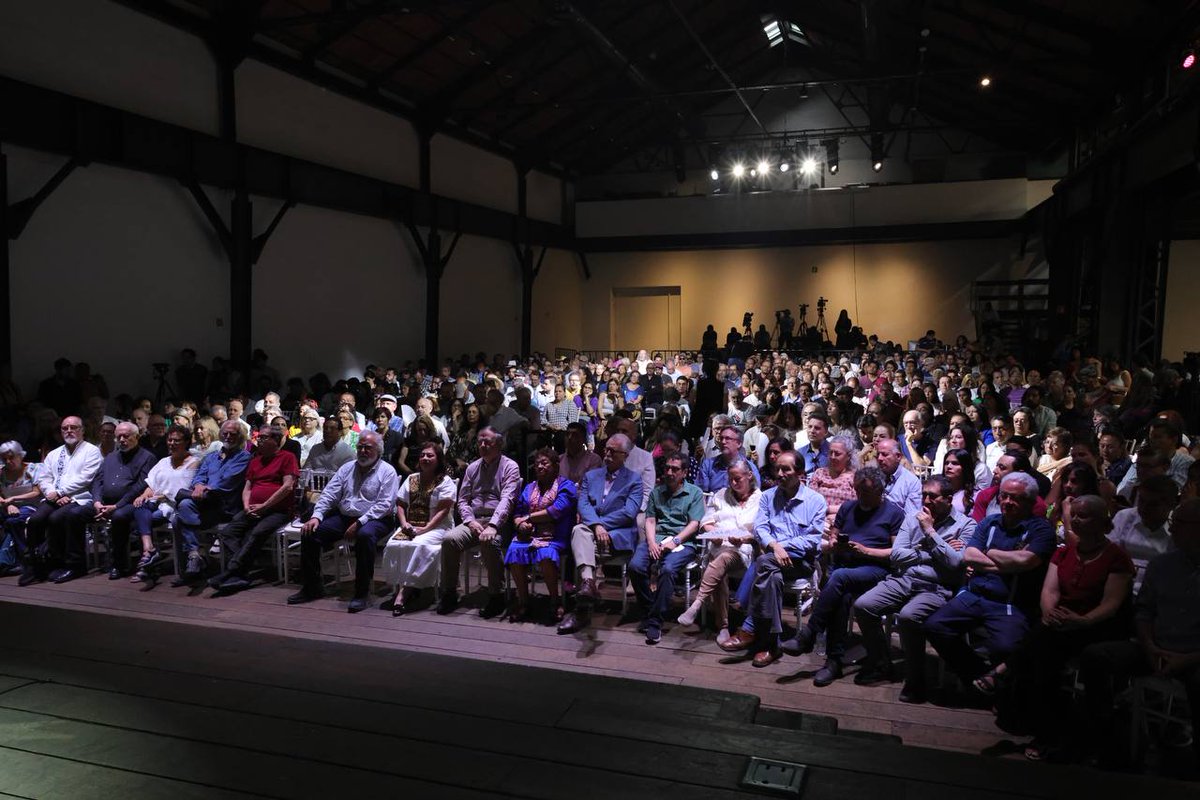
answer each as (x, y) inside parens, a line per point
(332, 530)
(58, 532)
(245, 535)
(119, 526)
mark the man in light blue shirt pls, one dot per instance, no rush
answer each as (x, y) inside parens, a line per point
(789, 526)
(713, 477)
(903, 488)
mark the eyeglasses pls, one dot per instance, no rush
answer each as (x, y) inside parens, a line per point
(934, 495)
(71, 428)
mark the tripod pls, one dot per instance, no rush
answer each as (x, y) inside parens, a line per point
(802, 325)
(822, 328)
(165, 389)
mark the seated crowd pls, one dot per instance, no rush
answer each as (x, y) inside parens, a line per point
(1014, 520)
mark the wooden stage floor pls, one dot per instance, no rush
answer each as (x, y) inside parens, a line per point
(104, 685)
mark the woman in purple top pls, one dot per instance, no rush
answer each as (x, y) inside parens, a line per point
(543, 521)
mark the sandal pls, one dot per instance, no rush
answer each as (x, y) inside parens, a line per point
(988, 682)
(1037, 751)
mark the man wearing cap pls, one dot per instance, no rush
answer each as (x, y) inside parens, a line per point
(396, 422)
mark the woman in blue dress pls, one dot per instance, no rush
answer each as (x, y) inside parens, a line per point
(543, 521)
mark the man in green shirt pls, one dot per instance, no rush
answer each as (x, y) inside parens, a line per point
(673, 516)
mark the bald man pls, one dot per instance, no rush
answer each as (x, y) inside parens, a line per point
(120, 479)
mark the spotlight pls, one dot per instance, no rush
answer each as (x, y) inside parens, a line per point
(763, 167)
(985, 81)
(831, 155)
(739, 170)
(1189, 59)
(716, 176)
(809, 166)
(877, 151)
(877, 166)
(784, 166)
(753, 172)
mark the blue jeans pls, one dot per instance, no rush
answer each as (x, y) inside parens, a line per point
(145, 517)
(192, 515)
(831, 612)
(670, 568)
(947, 630)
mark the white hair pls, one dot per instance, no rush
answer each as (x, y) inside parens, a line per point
(1027, 482)
(13, 447)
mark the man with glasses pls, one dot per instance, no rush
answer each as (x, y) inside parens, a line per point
(120, 479)
(1002, 431)
(673, 516)
(215, 495)
(57, 526)
(610, 498)
(927, 557)
(357, 505)
(713, 475)
(1007, 556)
(268, 500)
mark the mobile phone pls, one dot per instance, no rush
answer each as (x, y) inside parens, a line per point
(843, 539)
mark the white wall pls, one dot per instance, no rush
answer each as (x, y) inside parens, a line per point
(1181, 326)
(116, 268)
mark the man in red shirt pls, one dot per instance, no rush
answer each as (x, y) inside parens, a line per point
(268, 500)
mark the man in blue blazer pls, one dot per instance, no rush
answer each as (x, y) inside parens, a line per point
(609, 501)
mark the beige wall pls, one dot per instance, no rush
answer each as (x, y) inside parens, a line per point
(1181, 326)
(898, 290)
(558, 297)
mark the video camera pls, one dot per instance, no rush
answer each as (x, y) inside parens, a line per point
(747, 319)
(160, 368)
(821, 303)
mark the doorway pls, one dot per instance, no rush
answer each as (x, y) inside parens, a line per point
(646, 317)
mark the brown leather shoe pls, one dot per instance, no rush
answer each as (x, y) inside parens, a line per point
(588, 589)
(765, 658)
(739, 641)
(574, 622)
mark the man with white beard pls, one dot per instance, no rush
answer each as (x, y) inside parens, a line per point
(357, 505)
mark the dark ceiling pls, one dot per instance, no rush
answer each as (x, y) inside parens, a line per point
(578, 85)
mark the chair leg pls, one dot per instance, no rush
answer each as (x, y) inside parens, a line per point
(624, 589)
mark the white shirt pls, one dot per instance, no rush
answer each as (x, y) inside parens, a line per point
(169, 481)
(642, 463)
(983, 473)
(1141, 543)
(756, 441)
(71, 474)
(446, 490)
(725, 515)
(307, 442)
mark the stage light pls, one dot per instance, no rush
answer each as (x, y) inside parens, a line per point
(877, 166)
(985, 81)
(877, 151)
(1189, 59)
(753, 172)
(831, 155)
(808, 166)
(716, 176)
(763, 168)
(738, 170)
(784, 166)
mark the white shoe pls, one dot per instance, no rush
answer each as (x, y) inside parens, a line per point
(724, 636)
(689, 617)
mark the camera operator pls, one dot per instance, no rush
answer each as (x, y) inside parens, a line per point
(786, 326)
(762, 338)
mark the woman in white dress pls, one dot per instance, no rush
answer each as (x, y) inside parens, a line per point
(156, 504)
(424, 508)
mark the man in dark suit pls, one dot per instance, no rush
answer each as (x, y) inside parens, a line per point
(609, 501)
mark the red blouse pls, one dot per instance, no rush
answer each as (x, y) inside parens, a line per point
(1081, 585)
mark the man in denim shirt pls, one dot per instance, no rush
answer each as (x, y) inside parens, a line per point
(1007, 557)
(789, 526)
(216, 493)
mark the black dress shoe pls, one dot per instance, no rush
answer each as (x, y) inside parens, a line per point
(869, 674)
(65, 575)
(803, 643)
(828, 673)
(305, 596)
(574, 622)
(358, 604)
(216, 580)
(448, 603)
(912, 693)
(28, 577)
(494, 608)
(234, 583)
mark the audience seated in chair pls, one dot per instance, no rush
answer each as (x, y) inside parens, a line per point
(157, 502)
(268, 502)
(57, 526)
(542, 524)
(357, 505)
(673, 517)
(609, 501)
(214, 496)
(486, 498)
(121, 479)
(424, 514)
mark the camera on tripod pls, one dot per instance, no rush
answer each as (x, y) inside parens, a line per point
(747, 319)
(821, 303)
(803, 309)
(781, 313)
(160, 369)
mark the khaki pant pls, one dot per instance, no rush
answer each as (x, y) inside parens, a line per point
(458, 540)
